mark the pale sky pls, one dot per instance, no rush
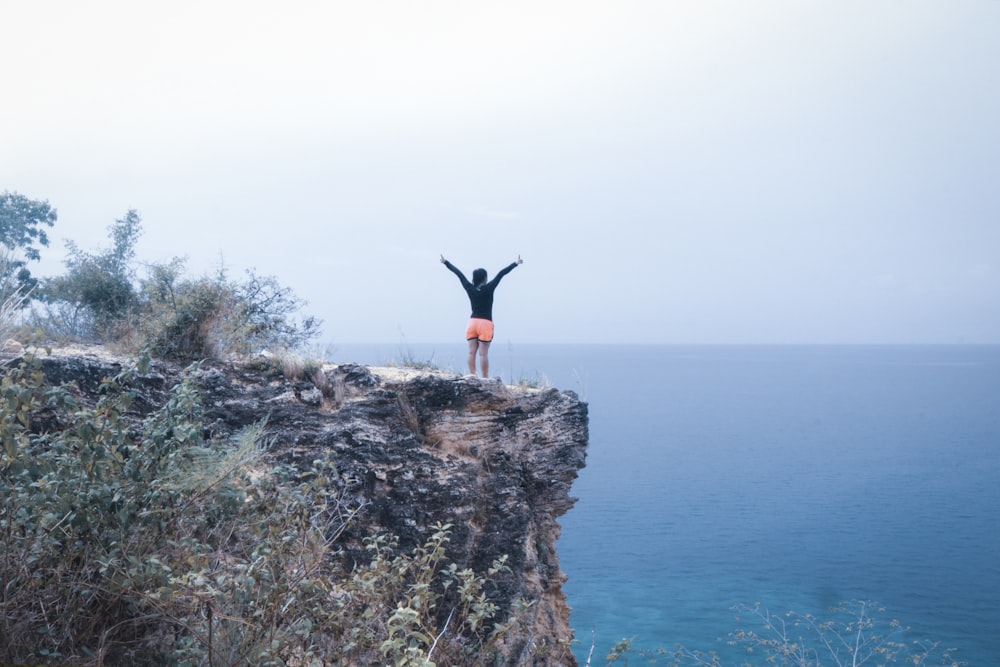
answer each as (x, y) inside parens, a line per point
(671, 172)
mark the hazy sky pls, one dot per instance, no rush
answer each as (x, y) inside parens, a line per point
(688, 171)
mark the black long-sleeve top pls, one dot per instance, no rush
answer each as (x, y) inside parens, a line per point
(481, 296)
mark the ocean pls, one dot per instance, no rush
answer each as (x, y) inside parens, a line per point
(797, 477)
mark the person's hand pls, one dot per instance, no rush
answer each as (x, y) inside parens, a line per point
(519, 260)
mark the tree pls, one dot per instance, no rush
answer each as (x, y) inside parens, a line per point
(212, 317)
(101, 283)
(268, 313)
(22, 226)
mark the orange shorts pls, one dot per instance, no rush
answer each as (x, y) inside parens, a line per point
(479, 328)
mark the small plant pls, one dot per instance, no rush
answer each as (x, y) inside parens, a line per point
(11, 308)
(855, 634)
(408, 359)
(296, 367)
(539, 381)
(405, 623)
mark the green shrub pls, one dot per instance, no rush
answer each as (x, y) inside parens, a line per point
(22, 225)
(189, 326)
(214, 317)
(99, 283)
(101, 298)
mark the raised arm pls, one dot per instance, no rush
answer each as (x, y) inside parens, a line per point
(507, 269)
(454, 269)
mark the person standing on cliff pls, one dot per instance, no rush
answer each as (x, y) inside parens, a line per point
(479, 331)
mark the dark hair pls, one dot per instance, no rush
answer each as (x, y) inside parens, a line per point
(479, 276)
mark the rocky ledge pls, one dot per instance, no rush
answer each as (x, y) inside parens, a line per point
(421, 448)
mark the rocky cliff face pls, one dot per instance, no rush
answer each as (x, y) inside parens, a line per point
(420, 448)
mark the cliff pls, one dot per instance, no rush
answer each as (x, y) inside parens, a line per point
(419, 448)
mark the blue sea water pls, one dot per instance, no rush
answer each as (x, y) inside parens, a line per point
(793, 476)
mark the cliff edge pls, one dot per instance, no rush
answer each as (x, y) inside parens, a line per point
(418, 449)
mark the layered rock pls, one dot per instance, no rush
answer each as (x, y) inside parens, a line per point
(496, 462)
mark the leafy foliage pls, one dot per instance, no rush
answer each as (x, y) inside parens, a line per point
(100, 283)
(188, 325)
(266, 314)
(22, 226)
(210, 317)
(102, 298)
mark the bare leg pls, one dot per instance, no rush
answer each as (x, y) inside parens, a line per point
(473, 346)
(484, 358)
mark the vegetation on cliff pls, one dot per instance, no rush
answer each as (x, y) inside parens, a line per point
(108, 296)
(163, 545)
